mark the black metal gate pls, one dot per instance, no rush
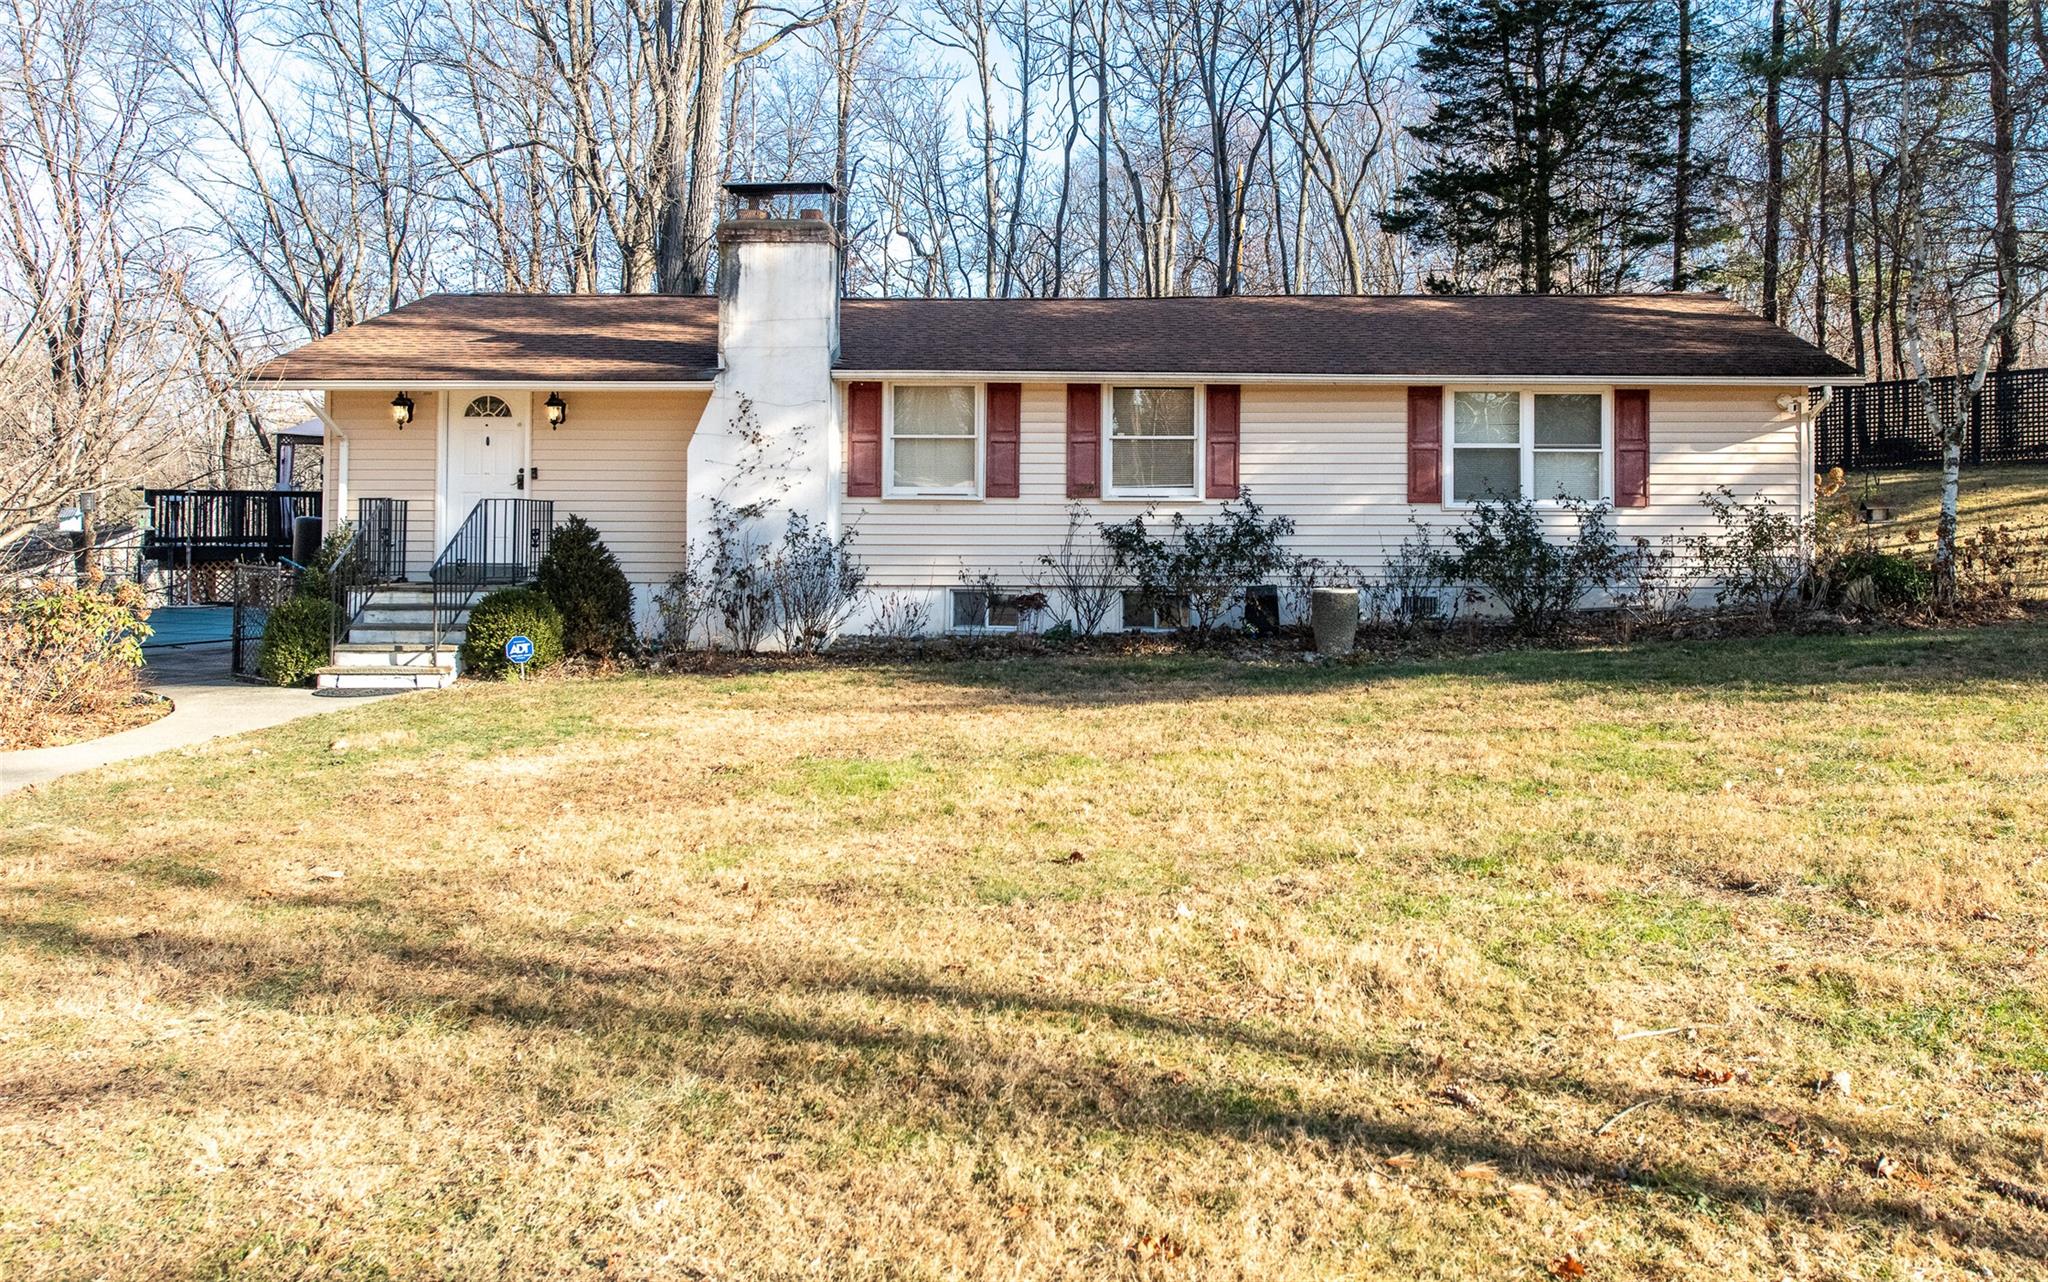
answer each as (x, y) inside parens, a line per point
(256, 589)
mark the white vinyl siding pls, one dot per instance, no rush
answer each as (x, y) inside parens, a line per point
(1332, 457)
(619, 462)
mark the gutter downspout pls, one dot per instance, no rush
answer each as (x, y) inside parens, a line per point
(341, 474)
(1809, 423)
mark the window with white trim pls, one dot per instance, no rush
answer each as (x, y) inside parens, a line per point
(1152, 436)
(934, 439)
(1543, 445)
(975, 611)
(1153, 612)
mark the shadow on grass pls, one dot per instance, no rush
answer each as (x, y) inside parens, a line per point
(1950, 661)
(986, 1058)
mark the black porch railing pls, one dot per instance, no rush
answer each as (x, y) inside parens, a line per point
(382, 525)
(374, 556)
(196, 526)
(501, 543)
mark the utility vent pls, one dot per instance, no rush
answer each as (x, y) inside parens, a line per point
(1420, 605)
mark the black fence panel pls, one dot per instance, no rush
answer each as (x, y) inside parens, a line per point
(256, 588)
(1883, 426)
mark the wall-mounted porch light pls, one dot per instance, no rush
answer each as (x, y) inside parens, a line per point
(401, 410)
(557, 408)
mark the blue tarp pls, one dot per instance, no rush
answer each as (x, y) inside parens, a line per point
(190, 624)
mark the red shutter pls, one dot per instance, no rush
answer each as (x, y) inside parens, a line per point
(1425, 445)
(1222, 437)
(1632, 447)
(1084, 440)
(1005, 413)
(864, 440)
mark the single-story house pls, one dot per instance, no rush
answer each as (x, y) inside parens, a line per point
(954, 434)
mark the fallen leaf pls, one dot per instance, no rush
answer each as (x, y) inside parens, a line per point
(1529, 1192)
(1017, 1211)
(1071, 857)
(1882, 1166)
(1567, 1266)
(1837, 1081)
(1153, 1246)
(326, 874)
(1401, 1161)
(1458, 1095)
(1479, 1171)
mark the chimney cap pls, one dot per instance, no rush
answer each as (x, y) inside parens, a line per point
(756, 192)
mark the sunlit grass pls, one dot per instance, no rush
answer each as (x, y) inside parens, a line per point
(1003, 968)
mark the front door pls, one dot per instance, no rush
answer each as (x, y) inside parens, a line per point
(486, 452)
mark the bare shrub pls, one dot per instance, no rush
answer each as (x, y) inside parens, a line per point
(815, 583)
(1082, 577)
(66, 652)
(900, 617)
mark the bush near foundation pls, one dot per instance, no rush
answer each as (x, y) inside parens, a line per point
(508, 613)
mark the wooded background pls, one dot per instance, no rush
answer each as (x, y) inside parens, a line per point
(189, 185)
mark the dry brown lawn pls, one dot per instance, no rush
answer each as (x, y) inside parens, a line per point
(1688, 961)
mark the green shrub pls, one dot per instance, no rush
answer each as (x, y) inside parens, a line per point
(295, 640)
(504, 614)
(583, 579)
(314, 579)
(1894, 582)
(1505, 550)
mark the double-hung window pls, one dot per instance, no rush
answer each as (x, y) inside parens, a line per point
(934, 440)
(1152, 440)
(1542, 446)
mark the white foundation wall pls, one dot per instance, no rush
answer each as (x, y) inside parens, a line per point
(1333, 458)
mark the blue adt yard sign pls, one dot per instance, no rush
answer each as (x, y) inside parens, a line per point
(519, 650)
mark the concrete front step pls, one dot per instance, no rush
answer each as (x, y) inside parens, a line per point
(369, 678)
(353, 655)
(390, 636)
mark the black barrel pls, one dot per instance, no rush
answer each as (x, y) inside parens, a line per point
(305, 539)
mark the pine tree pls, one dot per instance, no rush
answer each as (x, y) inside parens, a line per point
(1547, 158)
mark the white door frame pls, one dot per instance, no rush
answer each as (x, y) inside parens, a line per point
(446, 519)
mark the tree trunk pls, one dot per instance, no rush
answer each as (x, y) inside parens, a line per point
(1681, 171)
(1774, 158)
(2005, 205)
(706, 154)
(1102, 153)
(1849, 192)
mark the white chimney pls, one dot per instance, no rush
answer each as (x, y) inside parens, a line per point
(778, 336)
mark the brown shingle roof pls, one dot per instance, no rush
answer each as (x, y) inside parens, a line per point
(650, 338)
(518, 338)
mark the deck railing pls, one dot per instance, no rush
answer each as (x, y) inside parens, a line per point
(190, 526)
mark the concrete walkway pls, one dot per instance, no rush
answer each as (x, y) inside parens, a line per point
(206, 703)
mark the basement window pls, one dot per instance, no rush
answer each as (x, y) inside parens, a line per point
(974, 611)
(1154, 612)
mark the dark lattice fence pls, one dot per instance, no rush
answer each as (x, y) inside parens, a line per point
(1883, 426)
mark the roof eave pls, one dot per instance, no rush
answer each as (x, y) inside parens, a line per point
(845, 375)
(415, 384)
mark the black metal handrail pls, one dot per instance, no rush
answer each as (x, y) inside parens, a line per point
(500, 544)
(224, 525)
(373, 556)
